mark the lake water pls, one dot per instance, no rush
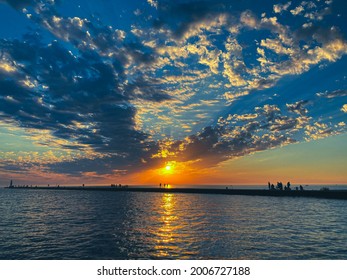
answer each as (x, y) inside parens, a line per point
(56, 224)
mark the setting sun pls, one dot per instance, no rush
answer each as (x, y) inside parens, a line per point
(169, 168)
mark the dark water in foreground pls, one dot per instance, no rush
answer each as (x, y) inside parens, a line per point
(53, 224)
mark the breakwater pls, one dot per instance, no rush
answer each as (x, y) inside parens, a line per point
(333, 194)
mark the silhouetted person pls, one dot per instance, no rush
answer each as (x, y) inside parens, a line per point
(301, 188)
(272, 186)
(269, 185)
(160, 185)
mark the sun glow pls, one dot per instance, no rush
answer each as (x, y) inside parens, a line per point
(169, 168)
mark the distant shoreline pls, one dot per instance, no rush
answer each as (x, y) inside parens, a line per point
(332, 194)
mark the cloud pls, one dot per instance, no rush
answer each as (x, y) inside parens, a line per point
(187, 71)
(298, 10)
(298, 107)
(6, 67)
(318, 15)
(318, 130)
(276, 45)
(284, 52)
(249, 19)
(87, 36)
(283, 123)
(279, 8)
(238, 135)
(247, 117)
(153, 3)
(80, 100)
(186, 19)
(333, 94)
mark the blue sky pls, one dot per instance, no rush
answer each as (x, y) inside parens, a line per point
(103, 91)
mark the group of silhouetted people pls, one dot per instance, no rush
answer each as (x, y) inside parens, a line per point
(20, 186)
(118, 186)
(164, 185)
(281, 187)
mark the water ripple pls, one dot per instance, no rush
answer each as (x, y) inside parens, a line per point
(38, 224)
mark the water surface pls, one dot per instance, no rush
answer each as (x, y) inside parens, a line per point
(58, 224)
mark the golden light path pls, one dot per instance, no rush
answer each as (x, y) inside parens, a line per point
(168, 233)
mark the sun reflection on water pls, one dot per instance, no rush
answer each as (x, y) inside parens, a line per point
(168, 220)
(171, 236)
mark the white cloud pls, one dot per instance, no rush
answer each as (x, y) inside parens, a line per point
(278, 8)
(333, 94)
(276, 46)
(233, 63)
(298, 10)
(230, 96)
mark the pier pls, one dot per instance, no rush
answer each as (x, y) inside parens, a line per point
(332, 194)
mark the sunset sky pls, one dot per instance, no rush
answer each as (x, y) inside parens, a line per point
(189, 92)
